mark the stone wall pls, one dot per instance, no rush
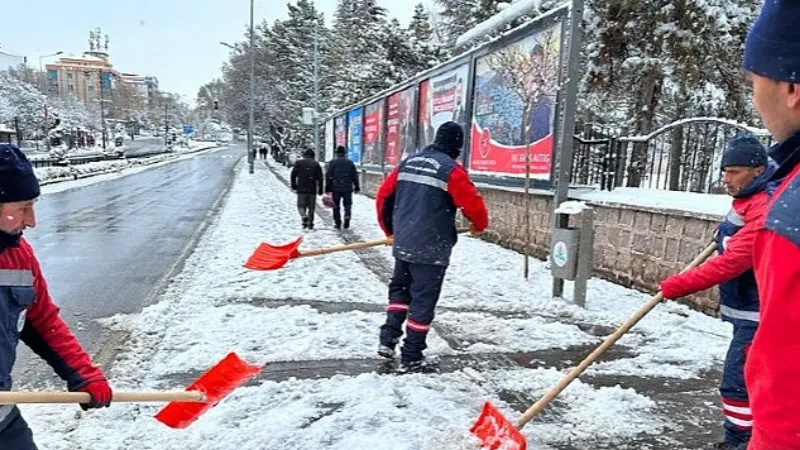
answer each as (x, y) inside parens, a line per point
(634, 246)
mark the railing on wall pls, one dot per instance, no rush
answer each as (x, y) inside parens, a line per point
(682, 156)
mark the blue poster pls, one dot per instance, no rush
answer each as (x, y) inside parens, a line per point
(355, 119)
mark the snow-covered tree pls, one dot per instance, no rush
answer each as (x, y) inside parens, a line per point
(23, 102)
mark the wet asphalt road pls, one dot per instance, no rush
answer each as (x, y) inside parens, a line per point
(106, 248)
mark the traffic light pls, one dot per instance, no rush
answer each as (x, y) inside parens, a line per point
(216, 105)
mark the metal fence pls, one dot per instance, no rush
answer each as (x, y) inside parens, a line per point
(682, 156)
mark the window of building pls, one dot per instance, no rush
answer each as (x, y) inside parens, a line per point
(91, 88)
(69, 75)
(71, 88)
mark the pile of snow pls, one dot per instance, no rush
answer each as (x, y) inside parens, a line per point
(709, 204)
(571, 208)
(77, 171)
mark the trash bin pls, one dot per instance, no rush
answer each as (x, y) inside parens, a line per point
(572, 248)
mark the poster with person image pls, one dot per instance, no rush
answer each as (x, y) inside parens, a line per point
(401, 126)
(355, 128)
(373, 132)
(340, 130)
(514, 105)
(443, 98)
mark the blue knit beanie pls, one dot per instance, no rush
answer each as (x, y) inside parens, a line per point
(17, 180)
(772, 47)
(745, 150)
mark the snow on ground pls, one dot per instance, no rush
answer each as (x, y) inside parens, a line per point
(59, 179)
(215, 306)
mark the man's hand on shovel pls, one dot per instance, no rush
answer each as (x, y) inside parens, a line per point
(185, 407)
(497, 432)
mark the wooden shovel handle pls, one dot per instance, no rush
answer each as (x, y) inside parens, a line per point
(341, 248)
(17, 397)
(355, 246)
(608, 342)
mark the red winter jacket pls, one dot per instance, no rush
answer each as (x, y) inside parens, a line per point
(772, 370)
(730, 268)
(44, 331)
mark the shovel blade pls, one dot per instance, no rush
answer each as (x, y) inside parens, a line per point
(495, 432)
(273, 257)
(216, 383)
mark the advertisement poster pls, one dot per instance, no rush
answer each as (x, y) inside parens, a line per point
(340, 130)
(330, 142)
(515, 97)
(355, 131)
(443, 98)
(401, 126)
(373, 133)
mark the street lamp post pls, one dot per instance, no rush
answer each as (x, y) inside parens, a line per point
(316, 89)
(250, 153)
(42, 83)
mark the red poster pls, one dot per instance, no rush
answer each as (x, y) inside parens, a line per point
(489, 156)
(424, 121)
(393, 148)
(373, 131)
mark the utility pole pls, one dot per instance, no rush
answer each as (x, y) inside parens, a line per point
(250, 153)
(102, 111)
(316, 90)
(166, 123)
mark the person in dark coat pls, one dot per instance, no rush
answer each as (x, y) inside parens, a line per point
(417, 204)
(746, 172)
(306, 180)
(341, 180)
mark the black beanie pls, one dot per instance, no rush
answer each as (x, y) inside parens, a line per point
(340, 150)
(449, 137)
(17, 180)
(309, 154)
(745, 150)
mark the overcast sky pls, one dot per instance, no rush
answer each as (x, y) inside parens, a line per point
(174, 40)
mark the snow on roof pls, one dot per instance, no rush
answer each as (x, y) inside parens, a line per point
(6, 129)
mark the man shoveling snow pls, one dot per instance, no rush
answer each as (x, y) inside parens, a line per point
(417, 204)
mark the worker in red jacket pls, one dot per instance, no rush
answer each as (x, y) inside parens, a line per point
(745, 171)
(417, 204)
(27, 312)
(772, 63)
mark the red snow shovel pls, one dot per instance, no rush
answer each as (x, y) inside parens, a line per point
(273, 257)
(185, 407)
(495, 431)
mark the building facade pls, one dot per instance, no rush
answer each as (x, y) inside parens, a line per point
(82, 78)
(10, 61)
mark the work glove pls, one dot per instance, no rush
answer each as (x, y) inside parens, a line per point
(391, 240)
(473, 230)
(672, 288)
(100, 391)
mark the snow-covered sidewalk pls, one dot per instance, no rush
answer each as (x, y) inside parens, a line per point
(314, 324)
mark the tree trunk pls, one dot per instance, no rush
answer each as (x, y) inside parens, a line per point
(645, 111)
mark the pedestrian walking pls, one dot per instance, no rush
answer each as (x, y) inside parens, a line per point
(341, 181)
(307, 182)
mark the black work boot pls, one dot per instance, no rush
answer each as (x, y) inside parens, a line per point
(347, 223)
